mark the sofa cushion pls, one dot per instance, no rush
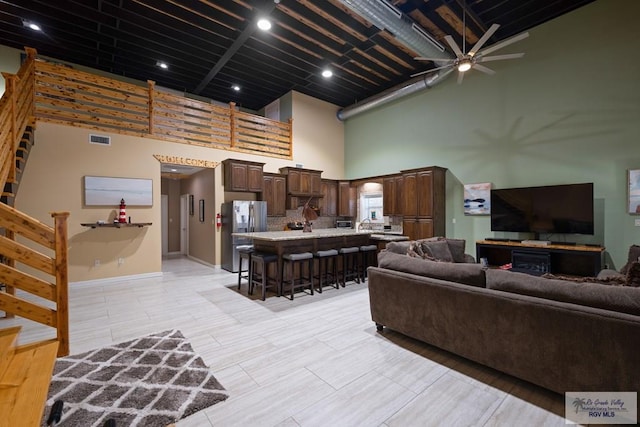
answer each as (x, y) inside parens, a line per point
(457, 248)
(469, 274)
(438, 250)
(399, 247)
(624, 299)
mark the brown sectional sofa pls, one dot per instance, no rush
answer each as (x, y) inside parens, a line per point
(561, 335)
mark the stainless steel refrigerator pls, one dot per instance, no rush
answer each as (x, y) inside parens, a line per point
(240, 216)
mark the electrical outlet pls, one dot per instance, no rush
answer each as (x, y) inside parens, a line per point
(96, 263)
(120, 261)
(637, 222)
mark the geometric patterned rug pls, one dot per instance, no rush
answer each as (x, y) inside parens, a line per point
(150, 381)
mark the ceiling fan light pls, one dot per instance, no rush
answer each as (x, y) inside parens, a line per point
(464, 66)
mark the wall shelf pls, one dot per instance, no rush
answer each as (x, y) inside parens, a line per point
(115, 224)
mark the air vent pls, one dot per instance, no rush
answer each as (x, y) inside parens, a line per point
(99, 139)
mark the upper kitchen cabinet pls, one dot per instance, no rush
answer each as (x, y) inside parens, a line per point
(240, 175)
(275, 194)
(347, 198)
(393, 202)
(303, 182)
(329, 202)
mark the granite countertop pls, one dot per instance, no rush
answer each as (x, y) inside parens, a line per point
(389, 237)
(274, 236)
(318, 233)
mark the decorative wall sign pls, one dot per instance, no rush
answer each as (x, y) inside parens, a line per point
(108, 191)
(477, 199)
(185, 161)
(633, 183)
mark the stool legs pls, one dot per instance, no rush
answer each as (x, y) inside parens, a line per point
(301, 280)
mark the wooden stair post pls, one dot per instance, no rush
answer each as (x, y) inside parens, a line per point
(62, 281)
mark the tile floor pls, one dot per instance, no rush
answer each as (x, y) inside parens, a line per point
(314, 361)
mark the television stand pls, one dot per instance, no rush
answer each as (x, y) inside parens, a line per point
(574, 260)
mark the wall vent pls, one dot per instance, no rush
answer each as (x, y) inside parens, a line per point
(99, 139)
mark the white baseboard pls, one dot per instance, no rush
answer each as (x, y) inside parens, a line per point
(108, 280)
(199, 261)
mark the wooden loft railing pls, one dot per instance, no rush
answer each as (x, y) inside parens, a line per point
(75, 98)
(16, 116)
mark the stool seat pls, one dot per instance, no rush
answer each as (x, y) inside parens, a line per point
(350, 250)
(298, 257)
(328, 252)
(300, 280)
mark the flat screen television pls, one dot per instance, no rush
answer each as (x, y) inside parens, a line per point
(566, 209)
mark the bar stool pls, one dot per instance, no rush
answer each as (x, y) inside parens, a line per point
(325, 258)
(260, 273)
(302, 280)
(350, 263)
(368, 257)
(245, 253)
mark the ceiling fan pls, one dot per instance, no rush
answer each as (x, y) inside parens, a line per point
(464, 61)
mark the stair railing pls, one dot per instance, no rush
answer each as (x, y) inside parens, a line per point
(20, 232)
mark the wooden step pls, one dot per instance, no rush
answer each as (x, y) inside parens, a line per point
(8, 341)
(25, 384)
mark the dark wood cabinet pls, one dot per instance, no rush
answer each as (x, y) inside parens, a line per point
(329, 201)
(302, 185)
(346, 199)
(240, 175)
(275, 194)
(423, 191)
(389, 195)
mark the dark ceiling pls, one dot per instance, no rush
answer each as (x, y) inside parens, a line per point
(212, 45)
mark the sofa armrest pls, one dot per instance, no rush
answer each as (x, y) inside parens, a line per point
(469, 259)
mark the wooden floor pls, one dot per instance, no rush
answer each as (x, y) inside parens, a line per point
(314, 361)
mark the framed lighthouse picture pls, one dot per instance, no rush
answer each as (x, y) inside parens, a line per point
(109, 191)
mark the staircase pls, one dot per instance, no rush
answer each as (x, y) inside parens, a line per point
(31, 253)
(25, 373)
(22, 153)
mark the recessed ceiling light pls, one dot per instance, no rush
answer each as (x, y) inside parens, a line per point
(327, 73)
(162, 65)
(235, 87)
(264, 24)
(32, 25)
(174, 170)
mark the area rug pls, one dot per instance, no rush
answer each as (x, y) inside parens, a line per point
(150, 381)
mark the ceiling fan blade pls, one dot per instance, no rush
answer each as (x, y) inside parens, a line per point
(504, 43)
(483, 69)
(454, 46)
(460, 77)
(430, 70)
(499, 57)
(424, 58)
(483, 39)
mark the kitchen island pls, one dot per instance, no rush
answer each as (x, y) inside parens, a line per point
(282, 242)
(295, 241)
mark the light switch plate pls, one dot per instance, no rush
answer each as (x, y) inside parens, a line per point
(637, 222)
